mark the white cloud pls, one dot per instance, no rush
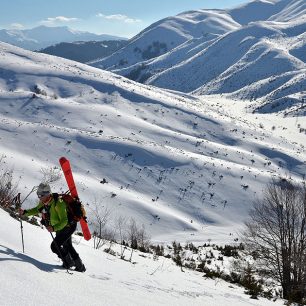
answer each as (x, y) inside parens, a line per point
(16, 26)
(119, 17)
(58, 19)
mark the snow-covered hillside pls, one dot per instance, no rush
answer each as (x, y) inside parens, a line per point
(261, 58)
(257, 62)
(36, 278)
(188, 168)
(276, 10)
(167, 34)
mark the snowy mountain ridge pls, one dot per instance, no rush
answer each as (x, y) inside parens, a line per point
(264, 48)
(273, 10)
(253, 54)
(167, 34)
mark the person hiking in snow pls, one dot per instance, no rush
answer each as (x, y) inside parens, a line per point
(56, 219)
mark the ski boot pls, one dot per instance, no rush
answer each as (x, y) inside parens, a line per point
(79, 266)
(68, 262)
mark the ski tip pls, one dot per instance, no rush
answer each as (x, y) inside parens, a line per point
(62, 159)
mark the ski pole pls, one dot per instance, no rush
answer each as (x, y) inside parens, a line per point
(21, 229)
(18, 204)
(16, 201)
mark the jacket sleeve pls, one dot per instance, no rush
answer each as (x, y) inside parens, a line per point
(33, 211)
(62, 221)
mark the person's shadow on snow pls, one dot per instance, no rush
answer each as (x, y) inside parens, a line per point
(14, 256)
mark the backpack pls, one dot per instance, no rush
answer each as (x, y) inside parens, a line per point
(75, 209)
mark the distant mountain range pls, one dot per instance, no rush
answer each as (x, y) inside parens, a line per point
(42, 37)
(85, 51)
(256, 51)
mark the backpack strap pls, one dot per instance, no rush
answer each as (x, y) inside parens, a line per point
(55, 197)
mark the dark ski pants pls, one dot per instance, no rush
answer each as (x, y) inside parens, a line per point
(62, 244)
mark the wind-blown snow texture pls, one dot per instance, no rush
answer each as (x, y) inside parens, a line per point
(253, 52)
(187, 168)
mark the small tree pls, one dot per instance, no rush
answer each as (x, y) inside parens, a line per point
(254, 287)
(121, 225)
(143, 239)
(178, 260)
(7, 187)
(276, 232)
(137, 237)
(51, 175)
(101, 217)
(132, 235)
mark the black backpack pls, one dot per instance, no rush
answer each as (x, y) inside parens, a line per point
(75, 209)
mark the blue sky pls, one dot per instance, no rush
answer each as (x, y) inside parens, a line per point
(123, 18)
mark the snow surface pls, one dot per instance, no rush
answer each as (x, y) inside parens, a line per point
(187, 168)
(36, 278)
(259, 10)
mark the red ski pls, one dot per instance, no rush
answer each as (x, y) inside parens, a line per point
(65, 164)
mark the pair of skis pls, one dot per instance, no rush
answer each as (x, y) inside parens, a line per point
(65, 164)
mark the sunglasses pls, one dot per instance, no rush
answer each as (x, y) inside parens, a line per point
(40, 196)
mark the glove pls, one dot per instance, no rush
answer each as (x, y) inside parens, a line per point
(50, 228)
(22, 211)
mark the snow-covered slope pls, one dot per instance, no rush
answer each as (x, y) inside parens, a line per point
(181, 165)
(166, 34)
(246, 63)
(141, 72)
(35, 278)
(260, 10)
(42, 37)
(293, 9)
(259, 59)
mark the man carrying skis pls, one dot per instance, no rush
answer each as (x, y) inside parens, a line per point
(55, 219)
